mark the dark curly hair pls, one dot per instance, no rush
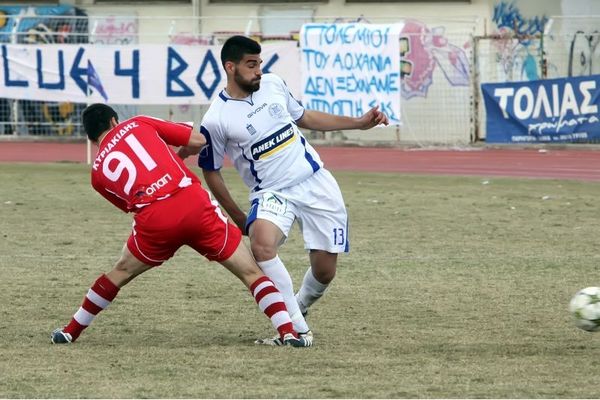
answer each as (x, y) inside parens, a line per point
(96, 120)
(236, 47)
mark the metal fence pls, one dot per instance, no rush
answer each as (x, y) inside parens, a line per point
(438, 102)
(567, 46)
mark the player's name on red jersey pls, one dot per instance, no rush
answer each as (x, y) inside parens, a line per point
(115, 139)
(136, 165)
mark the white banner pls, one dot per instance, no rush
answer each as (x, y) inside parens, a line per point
(145, 74)
(349, 68)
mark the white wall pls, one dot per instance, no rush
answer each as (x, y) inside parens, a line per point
(238, 15)
(441, 113)
(155, 22)
(445, 109)
(580, 7)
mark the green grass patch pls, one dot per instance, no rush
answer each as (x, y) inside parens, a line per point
(454, 287)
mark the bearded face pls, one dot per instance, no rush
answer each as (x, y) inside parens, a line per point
(247, 85)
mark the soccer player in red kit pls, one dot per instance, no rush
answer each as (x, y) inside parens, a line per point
(138, 171)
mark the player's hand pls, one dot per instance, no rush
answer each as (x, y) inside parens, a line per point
(183, 152)
(241, 223)
(372, 118)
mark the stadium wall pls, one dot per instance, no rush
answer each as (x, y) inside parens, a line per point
(474, 42)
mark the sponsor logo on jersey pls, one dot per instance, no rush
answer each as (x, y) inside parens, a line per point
(155, 186)
(257, 110)
(273, 143)
(251, 129)
(276, 110)
(273, 204)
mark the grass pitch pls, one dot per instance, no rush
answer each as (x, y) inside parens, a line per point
(455, 287)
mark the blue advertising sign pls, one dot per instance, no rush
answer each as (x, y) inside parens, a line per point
(543, 111)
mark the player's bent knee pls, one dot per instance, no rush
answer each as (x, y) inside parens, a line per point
(263, 252)
(130, 266)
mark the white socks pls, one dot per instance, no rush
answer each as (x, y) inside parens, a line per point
(310, 291)
(275, 270)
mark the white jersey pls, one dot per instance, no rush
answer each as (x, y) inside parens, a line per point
(260, 136)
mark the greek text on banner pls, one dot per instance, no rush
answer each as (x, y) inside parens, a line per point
(543, 111)
(349, 68)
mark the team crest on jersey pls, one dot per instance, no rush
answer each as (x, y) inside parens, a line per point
(276, 110)
(273, 143)
(251, 129)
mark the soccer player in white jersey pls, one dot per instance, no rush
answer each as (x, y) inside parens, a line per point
(255, 121)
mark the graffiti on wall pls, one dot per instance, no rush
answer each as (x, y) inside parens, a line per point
(508, 16)
(41, 25)
(113, 30)
(584, 54)
(518, 50)
(422, 49)
(190, 39)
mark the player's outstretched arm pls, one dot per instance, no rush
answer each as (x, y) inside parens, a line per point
(320, 121)
(217, 186)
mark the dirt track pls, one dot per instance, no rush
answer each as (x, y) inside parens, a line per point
(534, 163)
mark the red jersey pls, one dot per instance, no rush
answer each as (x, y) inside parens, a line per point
(135, 165)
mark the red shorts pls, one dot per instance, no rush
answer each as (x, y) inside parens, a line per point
(188, 217)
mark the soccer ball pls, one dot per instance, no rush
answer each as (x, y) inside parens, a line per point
(585, 308)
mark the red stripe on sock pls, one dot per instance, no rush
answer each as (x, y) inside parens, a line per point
(91, 307)
(74, 329)
(265, 291)
(275, 308)
(258, 282)
(105, 288)
(288, 327)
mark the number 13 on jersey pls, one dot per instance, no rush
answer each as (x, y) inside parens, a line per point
(339, 236)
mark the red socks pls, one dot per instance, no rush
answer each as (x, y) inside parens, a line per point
(100, 295)
(271, 303)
